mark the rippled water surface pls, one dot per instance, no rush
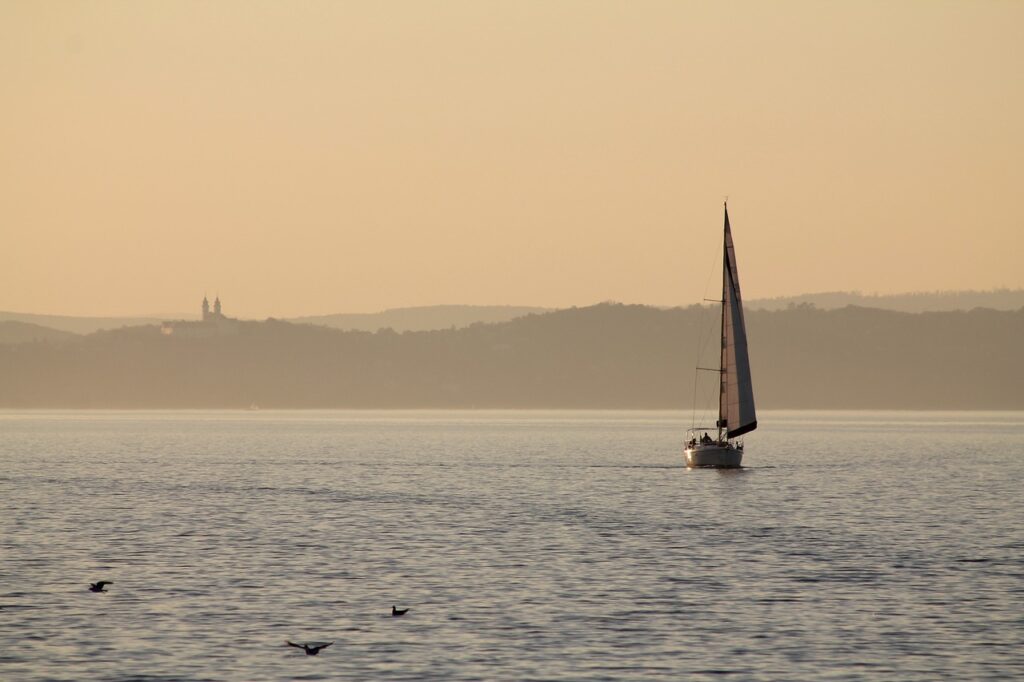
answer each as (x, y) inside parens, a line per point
(529, 545)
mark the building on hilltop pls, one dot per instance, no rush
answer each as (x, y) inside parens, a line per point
(214, 323)
(216, 314)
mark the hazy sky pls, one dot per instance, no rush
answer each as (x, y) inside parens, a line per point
(315, 157)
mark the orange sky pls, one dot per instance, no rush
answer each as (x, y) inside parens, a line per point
(316, 157)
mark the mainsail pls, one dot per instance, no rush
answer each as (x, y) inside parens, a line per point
(736, 400)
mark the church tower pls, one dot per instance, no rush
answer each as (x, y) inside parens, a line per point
(206, 309)
(216, 307)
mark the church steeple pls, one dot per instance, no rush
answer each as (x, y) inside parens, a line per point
(216, 307)
(206, 308)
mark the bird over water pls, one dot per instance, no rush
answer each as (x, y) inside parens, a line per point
(311, 649)
(100, 586)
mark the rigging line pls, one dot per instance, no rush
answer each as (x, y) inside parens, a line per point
(693, 402)
(702, 341)
(703, 338)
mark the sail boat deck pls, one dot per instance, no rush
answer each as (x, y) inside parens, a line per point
(705, 450)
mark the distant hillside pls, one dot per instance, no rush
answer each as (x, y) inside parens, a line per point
(999, 299)
(424, 318)
(605, 356)
(25, 332)
(399, 319)
(81, 325)
(427, 318)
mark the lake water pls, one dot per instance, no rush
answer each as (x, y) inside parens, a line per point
(528, 545)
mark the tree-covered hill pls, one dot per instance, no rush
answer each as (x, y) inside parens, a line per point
(605, 356)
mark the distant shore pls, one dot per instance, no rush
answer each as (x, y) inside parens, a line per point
(609, 356)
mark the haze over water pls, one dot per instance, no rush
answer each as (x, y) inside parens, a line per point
(528, 545)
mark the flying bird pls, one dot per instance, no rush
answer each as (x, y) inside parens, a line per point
(310, 649)
(398, 612)
(99, 587)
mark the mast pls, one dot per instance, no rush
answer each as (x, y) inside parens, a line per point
(722, 360)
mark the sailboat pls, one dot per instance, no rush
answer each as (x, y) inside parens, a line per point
(716, 446)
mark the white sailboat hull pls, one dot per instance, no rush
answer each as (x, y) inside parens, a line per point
(714, 455)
